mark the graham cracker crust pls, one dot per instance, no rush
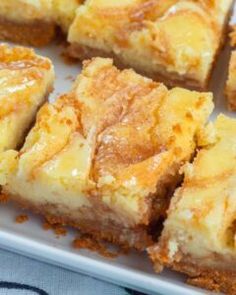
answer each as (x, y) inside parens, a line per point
(208, 278)
(36, 33)
(137, 237)
(217, 279)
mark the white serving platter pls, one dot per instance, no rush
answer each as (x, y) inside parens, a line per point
(133, 270)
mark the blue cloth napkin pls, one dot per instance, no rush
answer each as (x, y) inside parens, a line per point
(23, 276)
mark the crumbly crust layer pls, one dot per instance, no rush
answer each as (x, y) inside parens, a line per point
(200, 276)
(137, 237)
(37, 34)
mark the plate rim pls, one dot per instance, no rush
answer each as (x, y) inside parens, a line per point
(118, 275)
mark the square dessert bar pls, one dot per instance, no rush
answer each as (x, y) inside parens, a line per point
(26, 79)
(34, 22)
(106, 157)
(199, 236)
(172, 41)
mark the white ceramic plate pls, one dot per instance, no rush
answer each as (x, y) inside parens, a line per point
(133, 270)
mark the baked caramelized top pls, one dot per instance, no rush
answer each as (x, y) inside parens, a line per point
(180, 35)
(115, 135)
(21, 72)
(20, 58)
(202, 216)
(25, 80)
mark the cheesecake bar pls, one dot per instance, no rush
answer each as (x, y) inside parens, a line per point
(105, 157)
(172, 41)
(199, 236)
(26, 79)
(34, 22)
